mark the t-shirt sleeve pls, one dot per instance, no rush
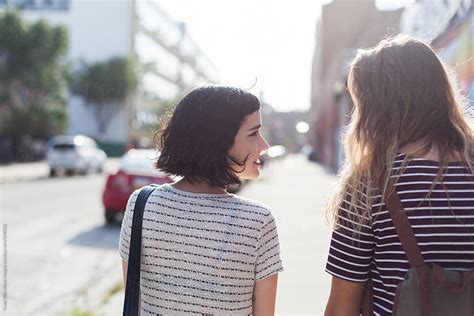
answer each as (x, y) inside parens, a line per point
(351, 250)
(125, 231)
(268, 250)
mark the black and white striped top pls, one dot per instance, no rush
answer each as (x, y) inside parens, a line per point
(202, 253)
(444, 229)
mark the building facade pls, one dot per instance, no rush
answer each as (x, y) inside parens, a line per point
(169, 60)
(279, 128)
(344, 26)
(449, 27)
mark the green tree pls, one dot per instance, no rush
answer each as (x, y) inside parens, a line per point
(167, 106)
(106, 86)
(33, 79)
(161, 109)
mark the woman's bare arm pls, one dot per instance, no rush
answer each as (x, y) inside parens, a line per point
(264, 294)
(345, 298)
(124, 270)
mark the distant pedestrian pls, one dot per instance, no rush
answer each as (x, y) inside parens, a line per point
(409, 140)
(204, 250)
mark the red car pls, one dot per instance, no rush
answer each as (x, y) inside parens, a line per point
(136, 170)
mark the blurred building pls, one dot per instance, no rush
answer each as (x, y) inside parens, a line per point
(170, 61)
(449, 26)
(279, 128)
(344, 26)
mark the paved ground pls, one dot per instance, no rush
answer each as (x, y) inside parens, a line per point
(36, 170)
(297, 191)
(60, 254)
(61, 257)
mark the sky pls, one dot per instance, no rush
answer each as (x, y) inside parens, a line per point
(268, 44)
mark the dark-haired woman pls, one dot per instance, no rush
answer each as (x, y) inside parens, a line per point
(204, 250)
(409, 141)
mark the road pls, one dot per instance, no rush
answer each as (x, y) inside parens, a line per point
(61, 256)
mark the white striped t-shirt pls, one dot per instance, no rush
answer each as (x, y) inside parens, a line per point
(444, 229)
(202, 253)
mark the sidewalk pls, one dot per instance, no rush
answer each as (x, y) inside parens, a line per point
(37, 170)
(297, 191)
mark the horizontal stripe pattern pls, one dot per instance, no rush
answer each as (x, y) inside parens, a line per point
(202, 253)
(442, 221)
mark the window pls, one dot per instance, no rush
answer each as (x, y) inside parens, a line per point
(37, 4)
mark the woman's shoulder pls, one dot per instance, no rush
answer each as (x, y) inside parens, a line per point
(137, 191)
(406, 161)
(158, 191)
(252, 204)
(232, 201)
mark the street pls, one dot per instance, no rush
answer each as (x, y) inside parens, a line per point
(61, 257)
(59, 252)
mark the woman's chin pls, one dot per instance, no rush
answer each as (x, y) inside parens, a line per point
(251, 176)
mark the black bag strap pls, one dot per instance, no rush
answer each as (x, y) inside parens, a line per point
(404, 230)
(132, 290)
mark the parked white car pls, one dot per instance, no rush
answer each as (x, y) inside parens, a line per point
(74, 153)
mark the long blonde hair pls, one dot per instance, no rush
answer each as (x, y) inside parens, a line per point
(402, 94)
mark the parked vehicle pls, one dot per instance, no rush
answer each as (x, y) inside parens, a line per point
(74, 153)
(135, 171)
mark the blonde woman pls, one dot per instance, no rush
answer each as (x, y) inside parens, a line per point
(408, 134)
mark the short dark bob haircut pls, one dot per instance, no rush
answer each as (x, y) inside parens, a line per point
(195, 140)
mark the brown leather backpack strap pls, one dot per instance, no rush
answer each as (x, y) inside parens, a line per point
(410, 246)
(425, 290)
(404, 230)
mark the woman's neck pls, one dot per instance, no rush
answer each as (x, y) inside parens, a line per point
(198, 187)
(433, 154)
